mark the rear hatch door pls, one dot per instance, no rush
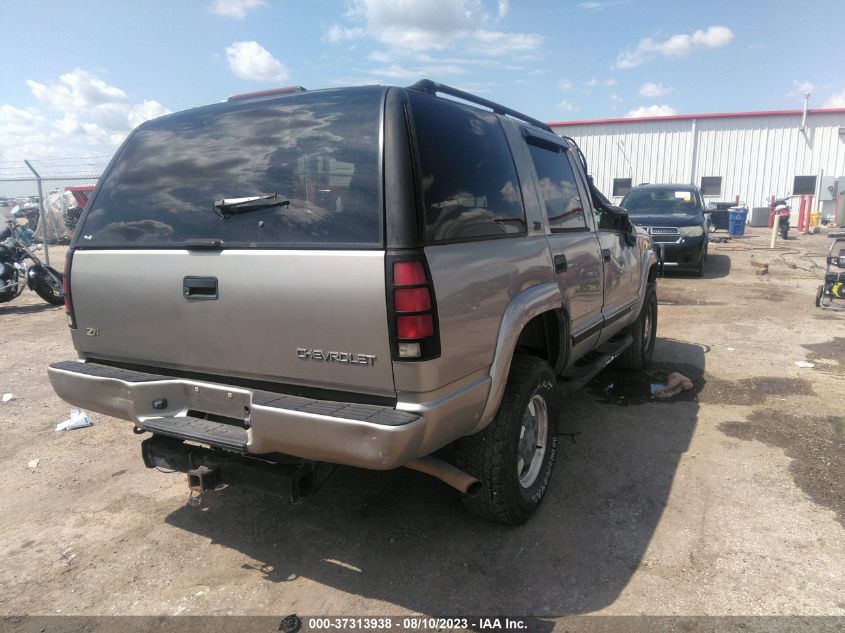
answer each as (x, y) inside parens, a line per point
(289, 289)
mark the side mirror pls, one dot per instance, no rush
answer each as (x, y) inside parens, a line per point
(630, 234)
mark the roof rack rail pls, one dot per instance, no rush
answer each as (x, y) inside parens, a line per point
(267, 93)
(432, 87)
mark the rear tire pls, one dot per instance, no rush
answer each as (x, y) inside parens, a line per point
(514, 455)
(44, 287)
(644, 332)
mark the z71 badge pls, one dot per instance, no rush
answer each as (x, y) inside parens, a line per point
(346, 358)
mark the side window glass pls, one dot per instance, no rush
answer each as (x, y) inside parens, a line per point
(469, 184)
(558, 187)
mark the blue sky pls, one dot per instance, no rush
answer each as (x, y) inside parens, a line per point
(78, 75)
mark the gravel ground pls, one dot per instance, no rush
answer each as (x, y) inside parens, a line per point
(726, 500)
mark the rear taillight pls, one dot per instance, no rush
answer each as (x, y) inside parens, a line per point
(71, 319)
(412, 310)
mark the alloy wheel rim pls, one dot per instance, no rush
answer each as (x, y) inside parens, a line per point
(531, 448)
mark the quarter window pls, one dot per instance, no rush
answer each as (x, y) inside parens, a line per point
(558, 187)
(469, 185)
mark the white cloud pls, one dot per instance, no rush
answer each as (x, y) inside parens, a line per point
(398, 71)
(678, 45)
(338, 33)
(615, 101)
(565, 105)
(382, 57)
(835, 101)
(76, 89)
(565, 85)
(501, 44)
(609, 82)
(145, 111)
(652, 90)
(78, 114)
(713, 37)
(652, 110)
(250, 60)
(419, 25)
(598, 6)
(235, 8)
(18, 121)
(592, 82)
(503, 9)
(413, 26)
(800, 88)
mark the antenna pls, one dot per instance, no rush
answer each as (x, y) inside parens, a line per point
(804, 114)
(621, 145)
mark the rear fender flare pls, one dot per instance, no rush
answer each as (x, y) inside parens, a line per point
(519, 311)
(649, 261)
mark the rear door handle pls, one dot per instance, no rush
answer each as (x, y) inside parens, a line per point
(560, 263)
(605, 253)
(199, 287)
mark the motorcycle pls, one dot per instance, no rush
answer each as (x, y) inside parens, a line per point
(15, 248)
(781, 216)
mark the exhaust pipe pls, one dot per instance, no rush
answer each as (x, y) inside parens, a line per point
(448, 474)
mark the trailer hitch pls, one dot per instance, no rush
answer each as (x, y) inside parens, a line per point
(210, 469)
(200, 480)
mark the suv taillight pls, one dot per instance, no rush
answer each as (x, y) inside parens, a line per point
(71, 319)
(412, 312)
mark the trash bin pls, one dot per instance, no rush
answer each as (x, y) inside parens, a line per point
(737, 217)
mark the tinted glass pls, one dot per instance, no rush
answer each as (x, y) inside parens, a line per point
(621, 186)
(804, 185)
(662, 201)
(711, 185)
(558, 188)
(469, 183)
(318, 150)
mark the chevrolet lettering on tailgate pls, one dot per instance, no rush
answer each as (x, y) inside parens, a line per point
(335, 357)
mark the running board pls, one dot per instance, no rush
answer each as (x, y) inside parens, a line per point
(598, 359)
(216, 434)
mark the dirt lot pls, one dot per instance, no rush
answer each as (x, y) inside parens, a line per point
(727, 500)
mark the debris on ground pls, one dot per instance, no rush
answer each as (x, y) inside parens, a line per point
(7, 397)
(714, 239)
(78, 419)
(675, 384)
(764, 270)
(803, 364)
(33, 463)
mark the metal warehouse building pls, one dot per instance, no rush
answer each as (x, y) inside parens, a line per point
(752, 155)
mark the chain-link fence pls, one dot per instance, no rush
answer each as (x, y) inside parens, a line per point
(48, 196)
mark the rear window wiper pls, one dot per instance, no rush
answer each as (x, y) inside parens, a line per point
(228, 207)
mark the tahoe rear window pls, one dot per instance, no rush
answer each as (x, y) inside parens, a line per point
(319, 151)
